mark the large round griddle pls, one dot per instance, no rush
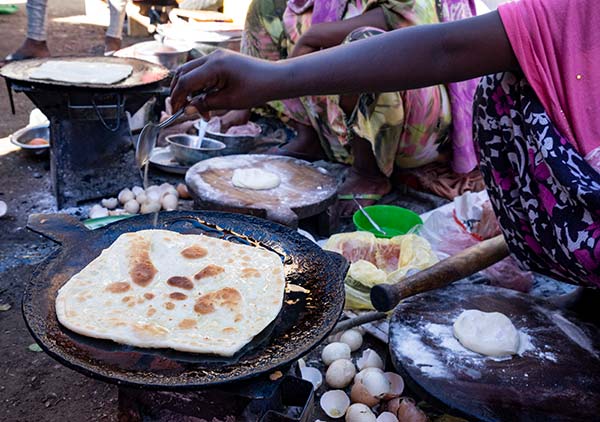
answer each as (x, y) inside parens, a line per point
(304, 321)
(305, 189)
(144, 73)
(558, 380)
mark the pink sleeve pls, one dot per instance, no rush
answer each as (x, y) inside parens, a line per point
(557, 44)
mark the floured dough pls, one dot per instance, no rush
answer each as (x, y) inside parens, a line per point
(82, 72)
(158, 288)
(255, 178)
(488, 333)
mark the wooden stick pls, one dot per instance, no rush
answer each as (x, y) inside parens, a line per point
(476, 258)
(358, 320)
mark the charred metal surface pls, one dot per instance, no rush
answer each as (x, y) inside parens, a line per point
(288, 399)
(304, 321)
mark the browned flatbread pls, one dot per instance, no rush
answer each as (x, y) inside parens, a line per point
(157, 288)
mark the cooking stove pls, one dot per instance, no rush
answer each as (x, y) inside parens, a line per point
(91, 144)
(287, 399)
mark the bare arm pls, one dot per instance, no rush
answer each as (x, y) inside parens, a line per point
(399, 60)
(331, 34)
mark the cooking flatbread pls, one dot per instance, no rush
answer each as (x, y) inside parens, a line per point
(157, 288)
(75, 72)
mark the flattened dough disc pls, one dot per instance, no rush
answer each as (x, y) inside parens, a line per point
(557, 380)
(305, 189)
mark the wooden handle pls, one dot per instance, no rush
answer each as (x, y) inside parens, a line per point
(385, 297)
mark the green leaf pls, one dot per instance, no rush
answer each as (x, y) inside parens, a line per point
(96, 223)
(33, 347)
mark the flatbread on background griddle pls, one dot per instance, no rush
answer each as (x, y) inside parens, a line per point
(82, 72)
(161, 289)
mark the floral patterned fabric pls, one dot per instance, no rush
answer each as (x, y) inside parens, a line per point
(461, 94)
(545, 195)
(406, 129)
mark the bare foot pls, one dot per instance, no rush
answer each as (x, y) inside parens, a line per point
(111, 44)
(30, 49)
(357, 183)
(305, 145)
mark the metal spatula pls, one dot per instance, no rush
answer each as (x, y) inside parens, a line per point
(147, 138)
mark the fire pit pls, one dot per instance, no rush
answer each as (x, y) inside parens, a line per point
(91, 146)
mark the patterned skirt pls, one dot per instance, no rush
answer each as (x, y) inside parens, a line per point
(545, 195)
(406, 129)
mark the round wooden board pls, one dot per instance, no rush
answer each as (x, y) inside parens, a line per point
(556, 379)
(305, 189)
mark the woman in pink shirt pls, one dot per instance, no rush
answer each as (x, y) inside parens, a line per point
(536, 113)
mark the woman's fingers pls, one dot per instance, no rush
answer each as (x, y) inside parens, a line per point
(187, 67)
(197, 81)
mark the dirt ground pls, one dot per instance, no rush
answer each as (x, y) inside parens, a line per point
(34, 387)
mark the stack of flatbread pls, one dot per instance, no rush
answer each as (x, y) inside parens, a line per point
(157, 288)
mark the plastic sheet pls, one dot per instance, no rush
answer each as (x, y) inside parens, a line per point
(375, 261)
(469, 222)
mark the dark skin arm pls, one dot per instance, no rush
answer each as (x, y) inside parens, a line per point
(331, 34)
(399, 60)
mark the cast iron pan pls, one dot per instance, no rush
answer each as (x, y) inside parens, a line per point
(144, 73)
(304, 321)
(558, 379)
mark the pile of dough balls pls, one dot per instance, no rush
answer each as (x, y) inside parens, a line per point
(374, 395)
(138, 200)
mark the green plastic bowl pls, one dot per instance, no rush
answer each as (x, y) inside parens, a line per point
(395, 221)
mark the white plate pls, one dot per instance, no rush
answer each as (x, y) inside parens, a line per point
(163, 159)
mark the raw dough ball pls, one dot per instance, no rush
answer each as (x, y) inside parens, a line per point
(488, 333)
(256, 179)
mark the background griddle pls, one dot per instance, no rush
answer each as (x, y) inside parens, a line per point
(144, 73)
(531, 387)
(305, 189)
(304, 321)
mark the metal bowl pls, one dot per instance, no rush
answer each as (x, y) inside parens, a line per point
(236, 144)
(22, 137)
(185, 148)
(170, 55)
